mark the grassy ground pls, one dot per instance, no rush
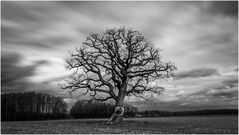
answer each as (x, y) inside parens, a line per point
(163, 125)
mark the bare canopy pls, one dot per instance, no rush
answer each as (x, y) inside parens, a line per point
(116, 63)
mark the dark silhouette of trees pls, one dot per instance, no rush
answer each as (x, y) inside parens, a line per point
(157, 113)
(84, 109)
(32, 106)
(130, 111)
(98, 109)
(114, 64)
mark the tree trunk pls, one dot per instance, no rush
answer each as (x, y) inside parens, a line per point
(117, 116)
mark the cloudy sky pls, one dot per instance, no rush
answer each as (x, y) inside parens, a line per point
(199, 37)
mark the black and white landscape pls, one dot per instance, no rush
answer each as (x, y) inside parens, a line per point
(119, 67)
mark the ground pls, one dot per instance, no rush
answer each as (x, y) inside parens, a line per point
(161, 125)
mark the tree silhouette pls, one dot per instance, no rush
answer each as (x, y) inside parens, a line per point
(114, 64)
(98, 109)
(32, 106)
(95, 109)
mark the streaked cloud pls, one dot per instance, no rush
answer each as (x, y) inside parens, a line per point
(204, 72)
(13, 75)
(232, 82)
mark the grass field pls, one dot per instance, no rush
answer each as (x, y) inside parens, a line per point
(162, 125)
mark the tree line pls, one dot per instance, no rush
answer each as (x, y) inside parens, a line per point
(38, 106)
(157, 113)
(32, 106)
(97, 109)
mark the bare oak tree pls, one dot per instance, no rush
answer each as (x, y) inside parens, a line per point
(115, 64)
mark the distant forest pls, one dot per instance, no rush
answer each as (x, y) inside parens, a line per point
(37, 106)
(157, 113)
(32, 106)
(85, 109)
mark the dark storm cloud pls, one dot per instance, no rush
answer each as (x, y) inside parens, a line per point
(220, 96)
(29, 12)
(32, 24)
(13, 75)
(229, 83)
(228, 8)
(11, 71)
(12, 11)
(228, 91)
(195, 73)
(233, 82)
(226, 94)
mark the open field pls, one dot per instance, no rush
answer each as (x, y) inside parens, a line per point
(162, 125)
